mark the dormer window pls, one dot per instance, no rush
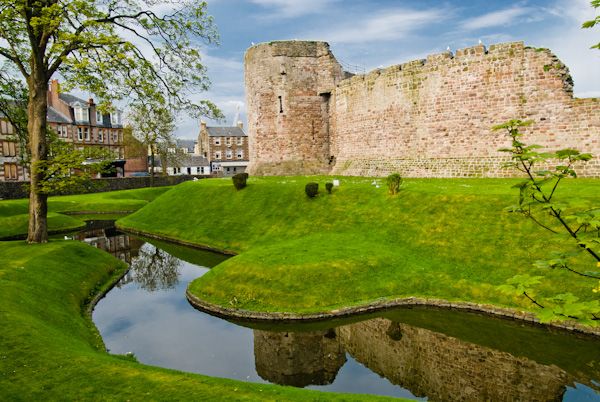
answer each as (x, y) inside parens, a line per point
(82, 113)
(98, 117)
(115, 118)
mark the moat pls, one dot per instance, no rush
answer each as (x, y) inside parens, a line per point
(423, 354)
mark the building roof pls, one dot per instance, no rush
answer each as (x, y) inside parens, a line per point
(225, 132)
(70, 98)
(54, 116)
(188, 144)
(186, 161)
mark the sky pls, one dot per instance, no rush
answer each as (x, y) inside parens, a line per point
(364, 35)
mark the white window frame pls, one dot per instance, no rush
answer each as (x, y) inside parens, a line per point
(240, 154)
(115, 118)
(240, 140)
(217, 154)
(217, 140)
(82, 114)
(229, 154)
(98, 117)
(80, 133)
(100, 135)
(86, 133)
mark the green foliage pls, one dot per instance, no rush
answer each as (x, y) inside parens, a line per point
(537, 201)
(592, 23)
(329, 187)
(393, 182)
(311, 189)
(239, 180)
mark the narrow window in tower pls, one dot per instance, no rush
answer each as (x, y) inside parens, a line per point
(280, 105)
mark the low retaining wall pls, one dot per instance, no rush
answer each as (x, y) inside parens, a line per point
(18, 189)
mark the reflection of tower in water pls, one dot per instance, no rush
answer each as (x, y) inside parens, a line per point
(298, 358)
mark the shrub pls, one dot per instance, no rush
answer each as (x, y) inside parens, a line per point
(239, 180)
(393, 182)
(329, 187)
(312, 189)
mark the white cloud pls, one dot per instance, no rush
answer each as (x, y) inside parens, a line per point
(505, 17)
(384, 26)
(292, 8)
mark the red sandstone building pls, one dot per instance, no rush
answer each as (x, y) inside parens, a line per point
(226, 148)
(74, 120)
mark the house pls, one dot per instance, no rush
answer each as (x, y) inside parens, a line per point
(189, 164)
(74, 120)
(81, 123)
(10, 168)
(226, 148)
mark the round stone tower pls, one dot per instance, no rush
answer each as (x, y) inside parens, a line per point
(288, 86)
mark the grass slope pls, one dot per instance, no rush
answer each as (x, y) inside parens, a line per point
(50, 350)
(438, 238)
(14, 213)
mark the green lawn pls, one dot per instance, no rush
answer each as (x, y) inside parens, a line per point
(50, 349)
(438, 238)
(14, 219)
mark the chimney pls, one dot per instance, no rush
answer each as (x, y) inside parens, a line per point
(240, 124)
(53, 93)
(202, 125)
(91, 101)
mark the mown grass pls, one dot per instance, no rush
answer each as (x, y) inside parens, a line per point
(14, 213)
(438, 238)
(50, 349)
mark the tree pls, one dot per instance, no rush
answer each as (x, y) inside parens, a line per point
(116, 49)
(153, 125)
(578, 225)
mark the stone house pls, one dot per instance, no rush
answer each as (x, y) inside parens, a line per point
(74, 120)
(226, 148)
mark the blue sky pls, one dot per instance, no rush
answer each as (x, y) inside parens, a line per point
(371, 34)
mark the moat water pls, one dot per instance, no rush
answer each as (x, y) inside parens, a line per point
(421, 354)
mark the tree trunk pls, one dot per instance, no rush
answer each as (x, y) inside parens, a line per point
(36, 127)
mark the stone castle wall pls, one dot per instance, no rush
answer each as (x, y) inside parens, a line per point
(424, 118)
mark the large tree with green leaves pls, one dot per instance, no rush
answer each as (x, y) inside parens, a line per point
(116, 49)
(596, 21)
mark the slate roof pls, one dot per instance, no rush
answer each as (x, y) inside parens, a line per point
(189, 161)
(188, 144)
(55, 116)
(225, 132)
(70, 98)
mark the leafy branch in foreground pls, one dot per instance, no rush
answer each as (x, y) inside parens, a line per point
(537, 201)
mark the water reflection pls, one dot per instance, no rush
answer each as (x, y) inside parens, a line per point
(298, 358)
(418, 354)
(153, 269)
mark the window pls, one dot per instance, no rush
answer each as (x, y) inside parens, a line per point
(240, 140)
(229, 154)
(240, 154)
(100, 135)
(217, 140)
(86, 133)
(115, 136)
(6, 127)
(81, 114)
(61, 131)
(218, 155)
(9, 148)
(228, 141)
(80, 133)
(115, 118)
(99, 119)
(10, 171)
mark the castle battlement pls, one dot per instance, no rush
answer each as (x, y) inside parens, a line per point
(428, 118)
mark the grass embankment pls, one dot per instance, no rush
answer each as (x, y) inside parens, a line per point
(439, 238)
(50, 349)
(14, 213)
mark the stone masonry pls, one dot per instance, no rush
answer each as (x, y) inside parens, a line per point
(424, 118)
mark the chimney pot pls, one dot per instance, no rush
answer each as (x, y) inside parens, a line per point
(240, 125)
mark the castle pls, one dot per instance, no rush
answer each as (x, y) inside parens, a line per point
(424, 118)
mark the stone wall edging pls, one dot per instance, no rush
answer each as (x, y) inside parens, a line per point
(381, 305)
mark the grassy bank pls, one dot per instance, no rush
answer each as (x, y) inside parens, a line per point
(14, 218)
(50, 350)
(445, 239)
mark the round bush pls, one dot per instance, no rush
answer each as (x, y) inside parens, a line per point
(312, 189)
